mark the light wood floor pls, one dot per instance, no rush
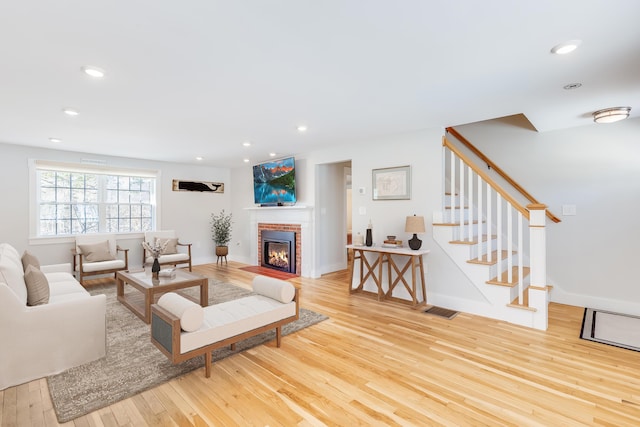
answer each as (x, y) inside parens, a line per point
(377, 363)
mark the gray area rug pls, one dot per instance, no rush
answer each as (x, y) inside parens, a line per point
(620, 330)
(133, 364)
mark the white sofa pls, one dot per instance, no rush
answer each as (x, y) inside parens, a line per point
(41, 340)
(181, 329)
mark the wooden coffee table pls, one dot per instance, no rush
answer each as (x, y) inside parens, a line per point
(150, 289)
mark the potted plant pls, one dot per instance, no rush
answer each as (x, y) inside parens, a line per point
(221, 232)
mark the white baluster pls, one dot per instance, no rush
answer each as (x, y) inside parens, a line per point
(509, 243)
(480, 210)
(462, 168)
(489, 222)
(452, 198)
(520, 261)
(499, 234)
(470, 173)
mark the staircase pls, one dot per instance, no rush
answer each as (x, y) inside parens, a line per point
(496, 238)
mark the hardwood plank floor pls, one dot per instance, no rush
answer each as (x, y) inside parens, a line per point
(377, 363)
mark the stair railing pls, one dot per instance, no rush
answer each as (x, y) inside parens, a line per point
(473, 191)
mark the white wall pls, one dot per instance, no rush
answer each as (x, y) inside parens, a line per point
(420, 150)
(591, 255)
(186, 212)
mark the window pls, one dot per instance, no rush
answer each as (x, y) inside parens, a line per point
(73, 199)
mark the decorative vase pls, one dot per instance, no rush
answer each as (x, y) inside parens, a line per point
(155, 268)
(369, 238)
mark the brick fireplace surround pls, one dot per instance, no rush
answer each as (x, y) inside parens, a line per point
(282, 227)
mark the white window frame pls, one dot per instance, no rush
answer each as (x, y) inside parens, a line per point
(34, 193)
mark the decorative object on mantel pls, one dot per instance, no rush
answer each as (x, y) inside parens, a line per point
(392, 183)
(369, 240)
(415, 225)
(201, 186)
(221, 234)
(156, 250)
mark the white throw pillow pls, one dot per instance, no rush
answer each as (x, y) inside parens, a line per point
(191, 314)
(37, 286)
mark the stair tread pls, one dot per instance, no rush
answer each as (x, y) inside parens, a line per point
(525, 303)
(472, 242)
(453, 224)
(504, 277)
(494, 258)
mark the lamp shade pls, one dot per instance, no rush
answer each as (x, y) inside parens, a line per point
(414, 224)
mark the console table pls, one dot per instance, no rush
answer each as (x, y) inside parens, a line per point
(373, 269)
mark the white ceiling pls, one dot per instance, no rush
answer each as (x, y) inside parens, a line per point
(200, 77)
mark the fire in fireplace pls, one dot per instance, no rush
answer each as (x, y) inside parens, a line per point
(279, 250)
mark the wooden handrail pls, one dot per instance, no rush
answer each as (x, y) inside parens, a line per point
(486, 177)
(499, 171)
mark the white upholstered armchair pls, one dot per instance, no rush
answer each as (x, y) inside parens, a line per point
(175, 253)
(96, 254)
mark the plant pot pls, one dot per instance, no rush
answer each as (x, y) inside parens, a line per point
(222, 250)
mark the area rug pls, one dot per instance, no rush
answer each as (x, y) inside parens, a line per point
(620, 330)
(441, 312)
(133, 364)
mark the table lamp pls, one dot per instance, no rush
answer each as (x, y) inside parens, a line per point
(415, 225)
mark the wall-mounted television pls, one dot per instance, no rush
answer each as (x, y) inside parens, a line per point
(274, 182)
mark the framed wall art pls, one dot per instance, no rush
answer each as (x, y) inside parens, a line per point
(392, 183)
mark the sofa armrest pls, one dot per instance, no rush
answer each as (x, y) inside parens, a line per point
(56, 268)
(165, 332)
(49, 338)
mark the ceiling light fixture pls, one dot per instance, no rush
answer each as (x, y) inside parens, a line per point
(566, 47)
(70, 111)
(93, 72)
(272, 154)
(610, 115)
(198, 158)
(246, 144)
(246, 160)
(55, 140)
(572, 86)
(302, 128)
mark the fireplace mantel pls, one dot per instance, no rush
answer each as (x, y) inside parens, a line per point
(297, 214)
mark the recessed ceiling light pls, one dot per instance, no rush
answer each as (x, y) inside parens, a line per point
(302, 128)
(245, 160)
(572, 86)
(198, 158)
(55, 140)
(70, 111)
(566, 47)
(272, 154)
(93, 71)
(246, 144)
(610, 115)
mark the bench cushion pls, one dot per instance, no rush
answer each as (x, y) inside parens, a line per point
(191, 314)
(228, 319)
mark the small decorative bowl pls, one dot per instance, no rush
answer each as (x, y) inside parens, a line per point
(391, 237)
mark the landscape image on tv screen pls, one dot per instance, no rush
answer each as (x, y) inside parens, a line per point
(274, 182)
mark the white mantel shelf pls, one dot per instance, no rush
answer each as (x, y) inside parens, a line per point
(259, 208)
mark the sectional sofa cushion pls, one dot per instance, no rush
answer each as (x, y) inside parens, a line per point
(29, 259)
(95, 252)
(37, 286)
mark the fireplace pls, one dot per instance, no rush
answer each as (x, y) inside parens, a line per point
(278, 250)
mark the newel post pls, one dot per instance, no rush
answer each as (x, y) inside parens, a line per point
(538, 291)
